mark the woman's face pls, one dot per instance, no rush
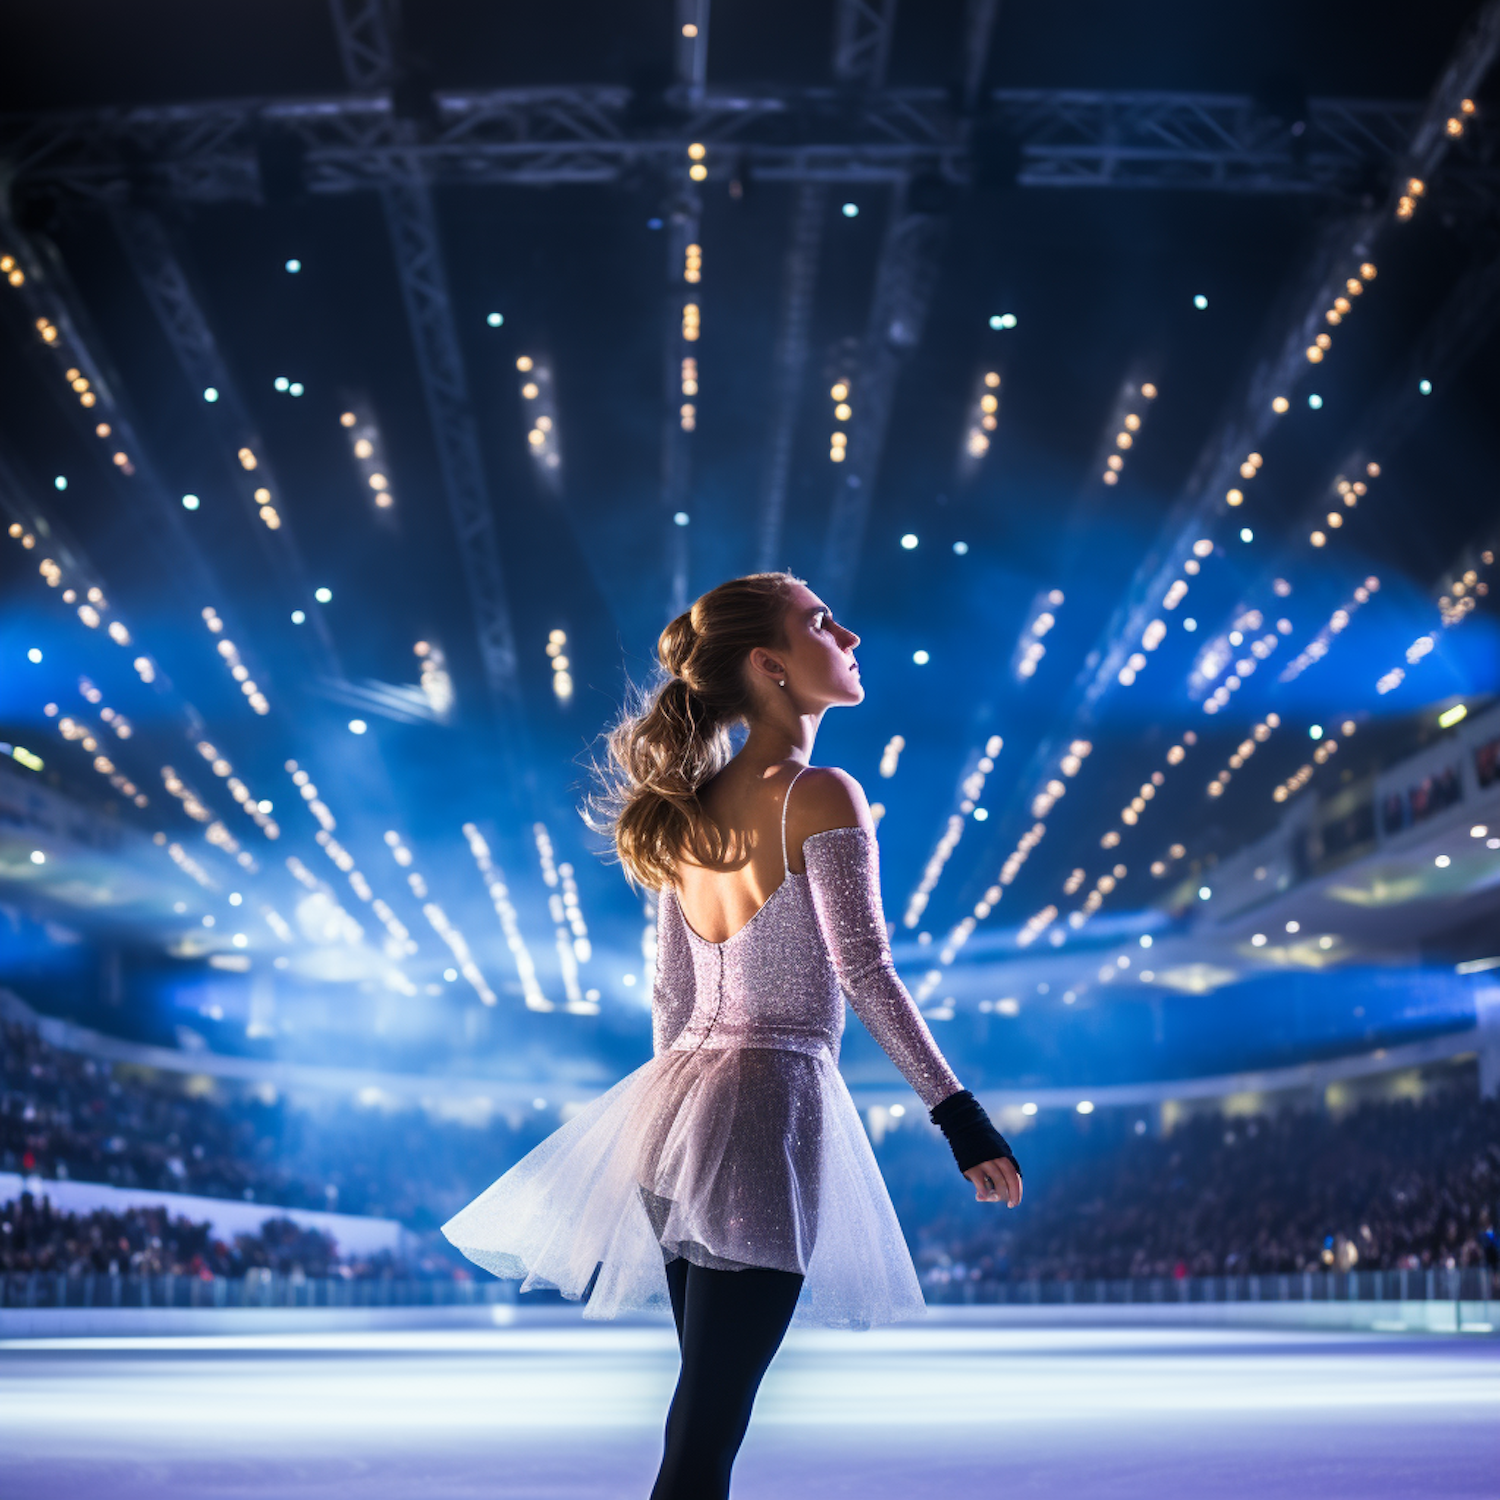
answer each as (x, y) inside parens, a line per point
(819, 656)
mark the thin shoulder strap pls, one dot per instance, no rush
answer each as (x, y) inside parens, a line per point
(785, 863)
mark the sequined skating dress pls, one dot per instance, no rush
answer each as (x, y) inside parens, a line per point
(737, 1145)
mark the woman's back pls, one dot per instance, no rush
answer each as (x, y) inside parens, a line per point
(754, 811)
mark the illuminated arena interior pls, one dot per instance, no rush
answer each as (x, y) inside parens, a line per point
(377, 382)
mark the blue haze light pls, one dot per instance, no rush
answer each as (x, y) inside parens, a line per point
(1204, 893)
(1315, 731)
(909, 541)
(1425, 386)
(921, 658)
(1200, 302)
(211, 395)
(961, 548)
(298, 617)
(1246, 535)
(681, 518)
(294, 266)
(323, 595)
(296, 388)
(190, 502)
(851, 210)
(1315, 401)
(495, 319)
(282, 382)
(61, 482)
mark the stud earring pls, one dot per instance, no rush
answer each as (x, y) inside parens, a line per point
(783, 682)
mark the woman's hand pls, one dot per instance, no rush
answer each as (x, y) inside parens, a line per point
(996, 1181)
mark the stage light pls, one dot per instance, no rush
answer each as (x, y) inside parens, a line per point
(1294, 927)
(920, 657)
(1451, 716)
(190, 502)
(1258, 941)
(33, 655)
(282, 382)
(961, 548)
(210, 395)
(1442, 861)
(1200, 302)
(208, 921)
(1280, 404)
(357, 726)
(451, 975)
(1315, 731)
(1478, 831)
(1246, 535)
(851, 210)
(524, 363)
(37, 857)
(1315, 401)
(296, 388)
(235, 899)
(495, 319)
(1145, 940)
(1085, 1107)
(60, 483)
(298, 617)
(294, 266)
(689, 30)
(264, 805)
(323, 595)
(909, 541)
(1204, 892)
(681, 518)
(1425, 386)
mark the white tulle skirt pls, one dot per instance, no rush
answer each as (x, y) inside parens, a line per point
(731, 1158)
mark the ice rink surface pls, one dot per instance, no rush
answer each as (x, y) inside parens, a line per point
(574, 1412)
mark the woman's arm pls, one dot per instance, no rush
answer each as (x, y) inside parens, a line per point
(843, 874)
(672, 993)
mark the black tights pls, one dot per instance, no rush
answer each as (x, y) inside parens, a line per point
(729, 1326)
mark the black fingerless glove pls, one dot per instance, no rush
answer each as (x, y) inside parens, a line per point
(963, 1121)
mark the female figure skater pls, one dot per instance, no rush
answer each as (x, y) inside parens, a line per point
(730, 1175)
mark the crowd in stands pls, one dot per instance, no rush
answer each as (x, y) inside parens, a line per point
(37, 1236)
(64, 1115)
(1388, 1185)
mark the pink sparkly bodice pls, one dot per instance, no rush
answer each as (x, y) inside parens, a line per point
(780, 980)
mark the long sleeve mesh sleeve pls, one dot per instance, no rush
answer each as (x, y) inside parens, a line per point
(843, 872)
(672, 993)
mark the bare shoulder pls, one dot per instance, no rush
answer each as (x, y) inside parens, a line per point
(827, 798)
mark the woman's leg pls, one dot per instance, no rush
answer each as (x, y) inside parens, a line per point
(677, 1269)
(732, 1325)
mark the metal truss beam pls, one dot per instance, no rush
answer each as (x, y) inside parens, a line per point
(173, 298)
(365, 36)
(1346, 244)
(1061, 138)
(862, 32)
(904, 280)
(798, 280)
(424, 289)
(366, 33)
